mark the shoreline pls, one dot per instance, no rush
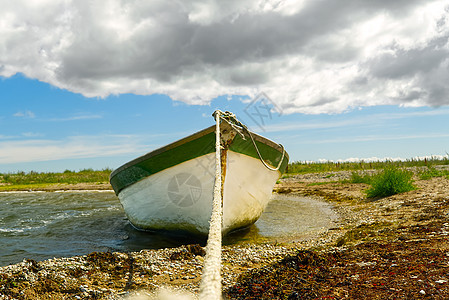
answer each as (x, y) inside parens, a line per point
(374, 252)
(57, 187)
(57, 191)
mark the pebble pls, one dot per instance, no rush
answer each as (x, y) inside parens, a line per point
(152, 268)
(155, 269)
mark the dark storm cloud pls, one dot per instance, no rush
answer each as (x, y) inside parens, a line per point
(177, 44)
(310, 56)
(426, 67)
(400, 62)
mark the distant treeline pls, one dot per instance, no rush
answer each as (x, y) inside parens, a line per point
(70, 177)
(299, 167)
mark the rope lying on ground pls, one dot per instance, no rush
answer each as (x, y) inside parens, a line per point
(210, 287)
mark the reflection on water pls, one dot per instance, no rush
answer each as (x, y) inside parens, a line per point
(46, 225)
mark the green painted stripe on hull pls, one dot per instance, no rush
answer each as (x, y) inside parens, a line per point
(191, 147)
(152, 163)
(269, 151)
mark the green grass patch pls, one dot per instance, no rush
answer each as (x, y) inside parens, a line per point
(25, 187)
(66, 177)
(356, 177)
(390, 181)
(431, 172)
(299, 167)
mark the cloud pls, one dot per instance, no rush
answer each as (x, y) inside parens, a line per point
(6, 137)
(31, 150)
(368, 121)
(376, 138)
(308, 56)
(377, 159)
(25, 114)
(32, 134)
(78, 117)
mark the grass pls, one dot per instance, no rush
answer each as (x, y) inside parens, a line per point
(392, 178)
(431, 172)
(25, 187)
(358, 178)
(33, 179)
(390, 181)
(299, 167)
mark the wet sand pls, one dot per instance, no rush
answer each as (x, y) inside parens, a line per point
(395, 247)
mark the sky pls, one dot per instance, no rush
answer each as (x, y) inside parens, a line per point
(94, 84)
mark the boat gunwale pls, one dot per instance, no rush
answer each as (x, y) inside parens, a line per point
(162, 149)
(192, 137)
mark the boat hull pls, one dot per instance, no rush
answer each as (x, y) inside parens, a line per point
(178, 196)
(248, 187)
(175, 199)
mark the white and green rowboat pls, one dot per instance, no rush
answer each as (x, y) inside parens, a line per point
(171, 188)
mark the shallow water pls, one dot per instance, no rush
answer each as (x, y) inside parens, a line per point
(288, 218)
(45, 225)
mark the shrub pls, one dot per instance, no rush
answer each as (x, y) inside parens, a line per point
(390, 181)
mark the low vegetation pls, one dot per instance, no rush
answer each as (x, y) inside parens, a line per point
(390, 181)
(299, 167)
(66, 177)
(391, 177)
(431, 172)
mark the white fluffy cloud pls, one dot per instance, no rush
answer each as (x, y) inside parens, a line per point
(308, 56)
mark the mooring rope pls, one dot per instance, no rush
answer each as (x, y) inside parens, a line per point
(210, 287)
(260, 156)
(233, 121)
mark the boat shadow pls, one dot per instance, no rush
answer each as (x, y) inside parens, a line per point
(136, 240)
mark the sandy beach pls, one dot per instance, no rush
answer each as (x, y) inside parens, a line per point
(395, 247)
